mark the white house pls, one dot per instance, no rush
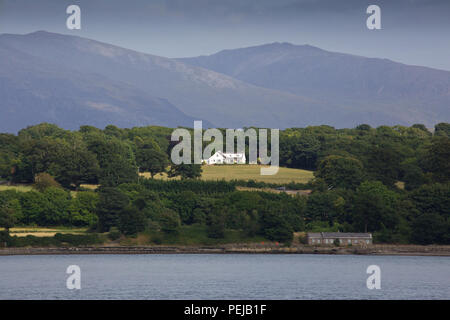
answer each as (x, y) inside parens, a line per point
(226, 158)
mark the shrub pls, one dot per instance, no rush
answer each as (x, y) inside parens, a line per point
(43, 180)
(157, 239)
(77, 239)
(5, 239)
(114, 233)
(169, 221)
(216, 225)
(131, 221)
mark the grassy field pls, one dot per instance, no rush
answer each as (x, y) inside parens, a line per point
(44, 231)
(22, 188)
(273, 190)
(249, 172)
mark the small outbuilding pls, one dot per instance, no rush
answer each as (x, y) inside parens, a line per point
(341, 238)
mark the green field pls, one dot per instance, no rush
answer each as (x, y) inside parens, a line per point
(44, 231)
(22, 188)
(252, 172)
(249, 172)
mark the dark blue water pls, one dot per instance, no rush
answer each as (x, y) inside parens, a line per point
(231, 276)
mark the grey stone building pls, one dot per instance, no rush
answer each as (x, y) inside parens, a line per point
(344, 238)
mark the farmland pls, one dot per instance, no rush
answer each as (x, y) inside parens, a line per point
(21, 188)
(44, 231)
(250, 172)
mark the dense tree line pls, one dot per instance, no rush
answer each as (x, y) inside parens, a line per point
(356, 186)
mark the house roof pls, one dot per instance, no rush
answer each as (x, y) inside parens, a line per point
(229, 155)
(338, 235)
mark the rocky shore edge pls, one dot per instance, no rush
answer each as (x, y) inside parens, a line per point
(386, 249)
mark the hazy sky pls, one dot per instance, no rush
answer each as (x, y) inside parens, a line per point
(413, 31)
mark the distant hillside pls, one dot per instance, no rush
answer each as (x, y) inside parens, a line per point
(69, 81)
(107, 77)
(377, 90)
(36, 87)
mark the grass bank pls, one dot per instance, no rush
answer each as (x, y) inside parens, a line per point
(44, 231)
(248, 172)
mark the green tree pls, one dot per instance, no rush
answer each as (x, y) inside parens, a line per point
(384, 164)
(79, 166)
(363, 127)
(112, 202)
(186, 171)
(116, 160)
(131, 221)
(442, 129)
(216, 224)
(82, 209)
(436, 160)
(324, 206)
(184, 203)
(111, 130)
(7, 218)
(8, 163)
(46, 208)
(341, 172)
(151, 160)
(118, 171)
(432, 198)
(43, 130)
(169, 221)
(430, 228)
(43, 180)
(374, 206)
(33, 206)
(251, 224)
(412, 174)
(421, 127)
(56, 211)
(300, 152)
(70, 163)
(274, 227)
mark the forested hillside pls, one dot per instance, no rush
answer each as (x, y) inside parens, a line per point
(392, 181)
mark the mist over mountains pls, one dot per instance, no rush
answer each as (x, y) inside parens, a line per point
(72, 81)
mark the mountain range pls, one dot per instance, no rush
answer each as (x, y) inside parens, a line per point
(73, 81)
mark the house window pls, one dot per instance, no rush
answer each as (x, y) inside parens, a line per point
(349, 241)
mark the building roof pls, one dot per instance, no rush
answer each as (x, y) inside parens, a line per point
(229, 155)
(233, 155)
(338, 235)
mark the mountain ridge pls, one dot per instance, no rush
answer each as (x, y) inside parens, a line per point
(64, 76)
(338, 77)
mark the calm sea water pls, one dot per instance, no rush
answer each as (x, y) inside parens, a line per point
(230, 276)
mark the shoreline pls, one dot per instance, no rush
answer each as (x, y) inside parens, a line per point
(387, 249)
